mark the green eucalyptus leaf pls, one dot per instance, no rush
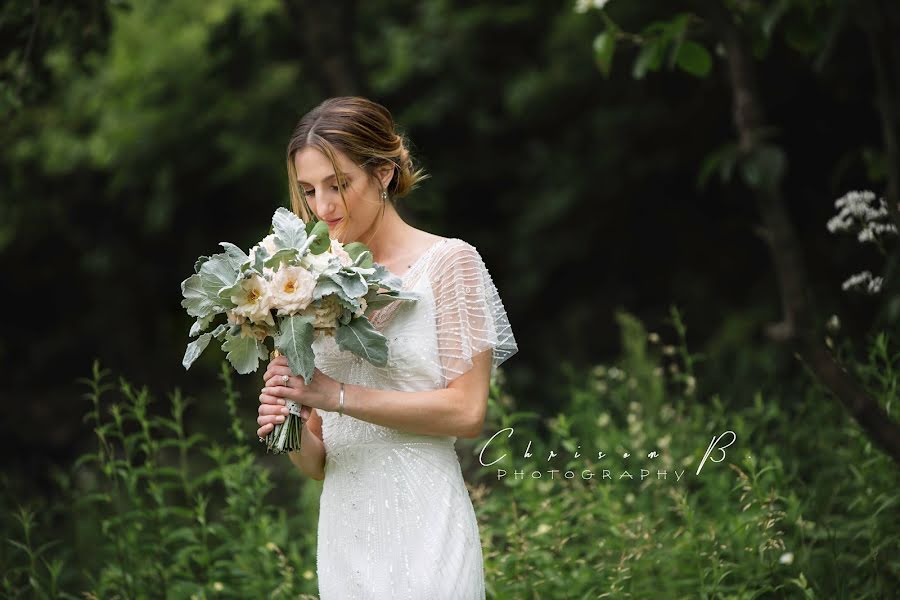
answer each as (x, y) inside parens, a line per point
(195, 349)
(201, 324)
(295, 342)
(362, 339)
(259, 259)
(199, 263)
(353, 284)
(201, 290)
(237, 256)
(242, 353)
(322, 241)
(284, 255)
(290, 230)
(354, 249)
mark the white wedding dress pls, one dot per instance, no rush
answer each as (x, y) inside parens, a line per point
(396, 521)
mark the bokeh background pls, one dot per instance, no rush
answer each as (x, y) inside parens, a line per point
(593, 153)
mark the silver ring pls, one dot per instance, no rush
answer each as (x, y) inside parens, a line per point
(285, 379)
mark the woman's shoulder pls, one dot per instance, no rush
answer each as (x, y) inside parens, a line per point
(452, 255)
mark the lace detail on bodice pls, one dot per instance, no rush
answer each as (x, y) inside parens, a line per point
(380, 316)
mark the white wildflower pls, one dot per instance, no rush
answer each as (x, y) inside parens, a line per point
(582, 6)
(690, 384)
(863, 281)
(864, 212)
(542, 529)
(787, 558)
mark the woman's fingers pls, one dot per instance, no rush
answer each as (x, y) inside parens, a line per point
(264, 430)
(273, 409)
(270, 399)
(269, 419)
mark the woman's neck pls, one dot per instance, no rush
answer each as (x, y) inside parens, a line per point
(389, 236)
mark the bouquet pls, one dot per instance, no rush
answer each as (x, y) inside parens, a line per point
(295, 284)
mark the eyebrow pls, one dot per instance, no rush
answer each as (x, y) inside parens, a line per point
(329, 178)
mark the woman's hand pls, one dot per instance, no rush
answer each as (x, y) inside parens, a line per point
(321, 393)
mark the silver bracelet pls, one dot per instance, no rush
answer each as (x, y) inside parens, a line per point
(341, 402)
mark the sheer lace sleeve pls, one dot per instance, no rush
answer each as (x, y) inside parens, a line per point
(470, 317)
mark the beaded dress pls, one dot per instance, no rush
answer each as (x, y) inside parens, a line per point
(395, 518)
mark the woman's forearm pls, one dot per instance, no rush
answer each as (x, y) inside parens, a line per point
(432, 412)
(311, 457)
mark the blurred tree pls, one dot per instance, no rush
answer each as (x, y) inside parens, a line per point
(744, 30)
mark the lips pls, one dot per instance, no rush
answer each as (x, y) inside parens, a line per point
(332, 223)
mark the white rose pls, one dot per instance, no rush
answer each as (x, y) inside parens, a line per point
(268, 243)
(317, 263)
(254, 300)
(292, 289)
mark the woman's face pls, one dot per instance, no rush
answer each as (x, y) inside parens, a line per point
(315, 174)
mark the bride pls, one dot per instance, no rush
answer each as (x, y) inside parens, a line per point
(395, 519)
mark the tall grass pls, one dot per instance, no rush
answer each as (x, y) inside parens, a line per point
(799, 506)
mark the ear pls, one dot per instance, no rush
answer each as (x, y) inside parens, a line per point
(384, 173)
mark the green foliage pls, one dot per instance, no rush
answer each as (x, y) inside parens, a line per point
(800, 505)
(156, 512)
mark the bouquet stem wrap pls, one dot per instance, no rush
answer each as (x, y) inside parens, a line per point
(285, 437)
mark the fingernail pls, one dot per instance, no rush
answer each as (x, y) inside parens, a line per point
(281, 402)
(279, 419)
(285, 411)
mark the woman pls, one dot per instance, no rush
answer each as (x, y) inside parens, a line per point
(395, 519)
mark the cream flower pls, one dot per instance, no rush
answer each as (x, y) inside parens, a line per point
(268, 243)
(317, 263)
(254, 300)
(362, 307)
(234, 319)
(292, 289)
(337, 249)
(260, 332)
(327, 312)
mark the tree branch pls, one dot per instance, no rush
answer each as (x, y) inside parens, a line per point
(799, 325)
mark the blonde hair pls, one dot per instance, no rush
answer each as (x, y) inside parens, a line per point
(362, 130)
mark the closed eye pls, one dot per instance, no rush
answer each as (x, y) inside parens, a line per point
(334, 187)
